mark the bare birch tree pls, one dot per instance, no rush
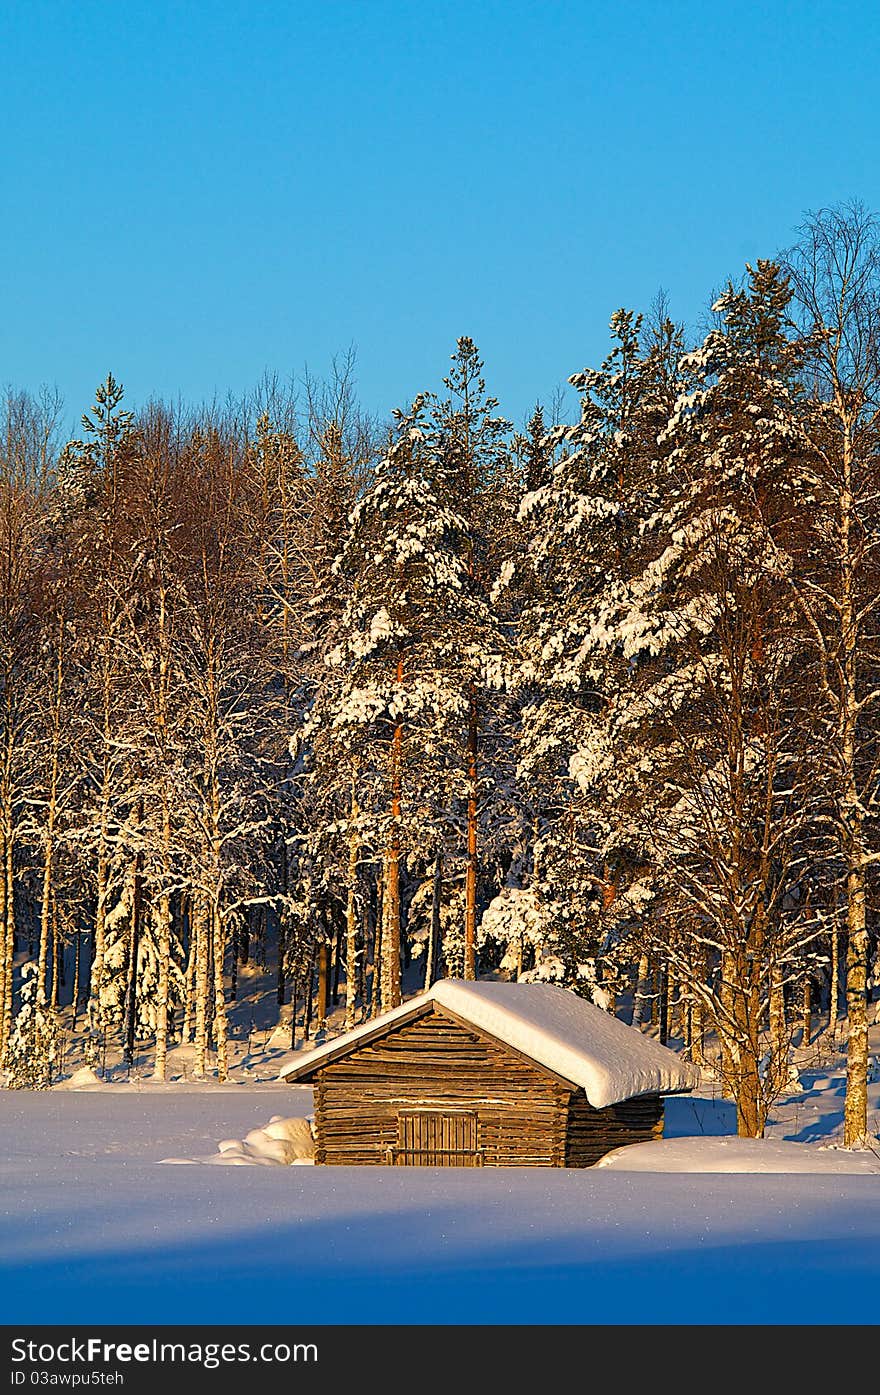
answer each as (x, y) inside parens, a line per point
(834, 569)
(26, 457)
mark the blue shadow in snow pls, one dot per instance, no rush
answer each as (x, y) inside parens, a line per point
(688, 1117)
(259, 1278)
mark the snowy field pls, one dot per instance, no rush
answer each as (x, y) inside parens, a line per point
(700, 1228)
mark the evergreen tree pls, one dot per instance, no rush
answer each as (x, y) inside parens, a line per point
(32, 1050)
(585, 525)
(94, 477)
(474, 472)
(26, 457)
(705, 740)
(387, 722)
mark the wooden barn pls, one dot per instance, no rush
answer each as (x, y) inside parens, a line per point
(488, 1074)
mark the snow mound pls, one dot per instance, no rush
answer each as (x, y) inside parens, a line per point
(280, 1143)
(279, 1037)
(738, 1155)
(83, 1079)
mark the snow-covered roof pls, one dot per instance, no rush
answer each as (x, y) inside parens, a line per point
(552, 1026)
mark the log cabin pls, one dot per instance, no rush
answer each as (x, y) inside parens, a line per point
(488, 1074)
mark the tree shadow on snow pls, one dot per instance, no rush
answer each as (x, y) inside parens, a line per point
(687, 1116)
(426, 1267)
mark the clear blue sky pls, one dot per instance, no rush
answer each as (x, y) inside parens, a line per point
(192, 194)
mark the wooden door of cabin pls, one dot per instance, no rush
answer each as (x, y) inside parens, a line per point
(430, 1138)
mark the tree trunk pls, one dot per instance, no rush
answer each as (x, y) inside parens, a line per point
(433, 948)
(807, 1011)
(7, 933)
(855, 1117)
(641, 996)
(57, 959)
(51, 815)
(778, 1032)
(323, 984)
(697, 1050)
(189, 984)
(470, 883)
(337, 958)
(363, 987)
(749, 1094)
(834, 989)
(133, 952)
(161, 704)
(669, 1005)
(307, 1015)
(390, 976)
(220, 1020)
(748, 1112)
(77, 952)
(747, 1081)
(293, 1007)
(5, 955)
(47, 897)
(163, 953)
(280, 976)
(663, 1005)
(209, 977)
(727, 995)
(45, 920)
(391, 936)
(351, 918)
(163, 945)
(200, 941)
(378, 952)
(283, 928)
(102, 877)
(96, 982)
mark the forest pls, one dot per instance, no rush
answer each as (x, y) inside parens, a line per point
(593, 702)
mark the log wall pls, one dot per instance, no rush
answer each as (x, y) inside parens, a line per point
(434, 1063)
(525, 1116)
(591, 1133)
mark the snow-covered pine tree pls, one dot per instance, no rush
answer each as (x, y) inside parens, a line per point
(705, 740)
(64, 561)
(313, 489)
(536, 452)
(283, 533)
(344, 445)
(476, 474)
(94, 479)
(391, 711)
(507, 933)
(584, 523)
(222, 654)
(111, 989)
(155, 597)
(31, 1060)
(26, 456)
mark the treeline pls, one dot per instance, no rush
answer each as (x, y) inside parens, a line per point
(592, 702)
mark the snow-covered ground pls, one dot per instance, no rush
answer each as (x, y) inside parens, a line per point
(94, 1227)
